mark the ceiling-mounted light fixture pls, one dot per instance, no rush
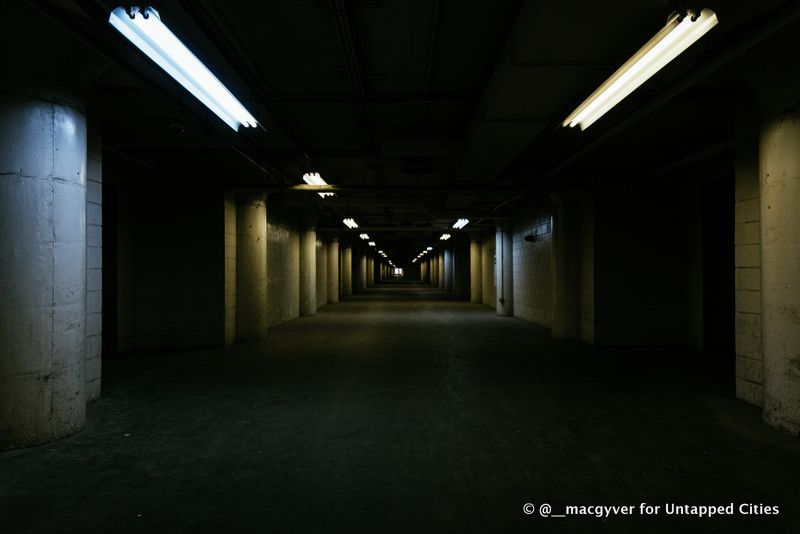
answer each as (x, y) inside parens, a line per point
(313, 178)
(680, 32)
(414, 260)
(429, 248)
(365, 237)
(143, 28)
(350, 223)
(445, 237)
(461, 223)
(371, 243)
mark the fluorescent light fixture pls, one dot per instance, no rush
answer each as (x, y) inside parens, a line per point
(414, 260)
(424, 251)
(145, 30)
(678, 35)
(380, 252)
(350, 223)
(371, 243)
(365, 237)
(461, 223)
(429, 248)
(445, 237)
(313, 178)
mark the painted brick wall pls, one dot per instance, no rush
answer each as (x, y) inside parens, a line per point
(94, 260)
(533, 283)
(488, 288)
(283, 265)
(230, 268)
(747, 242)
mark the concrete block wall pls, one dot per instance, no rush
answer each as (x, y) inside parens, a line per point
(747, 243)
(586, 270)
(230, 268)
(533, 283)
(488, 289)
(283, 265)
(322, 272)
(179, 299)
(94, 259)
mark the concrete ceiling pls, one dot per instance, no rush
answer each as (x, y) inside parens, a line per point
(426, 109)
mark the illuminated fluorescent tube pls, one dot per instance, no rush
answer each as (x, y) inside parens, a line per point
(429, 248)
(313, 178)
(666, 45)
(445, 237)
(350, 223)
(371, 243)
(461, 223)
(146, 31)
(365, 237)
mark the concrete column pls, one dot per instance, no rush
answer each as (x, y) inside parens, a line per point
(434, 269)
(251, 267)
(308, 272)
(440, 268)
(503, 270)
(423, 271)
(333, 270)
(475, 274)
(42, 270)
(362, 272)
(565, 266)
(780, 270)
(449, 270)
(370, 271)
(347, 271)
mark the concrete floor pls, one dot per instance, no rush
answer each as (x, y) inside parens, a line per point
(403, 411)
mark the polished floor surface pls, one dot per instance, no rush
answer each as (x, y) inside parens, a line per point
(403, 410)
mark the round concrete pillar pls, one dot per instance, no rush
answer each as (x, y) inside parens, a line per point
(362, 272)
(251, 266)
(440, 269)
(449, 270)
(780, 270)
(504, 270)
(370, 271)
(333, 270)
(347, 271)
(42, 270)
(475, 272)
(308, 272)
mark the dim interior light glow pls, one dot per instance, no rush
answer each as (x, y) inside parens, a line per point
(365, 237)
(350, 223)
(445, 237)
(313, 178)
(678, 35)
(461, 223)
(146, 31)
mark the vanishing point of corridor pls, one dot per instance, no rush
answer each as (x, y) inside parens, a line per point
(402, 410)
